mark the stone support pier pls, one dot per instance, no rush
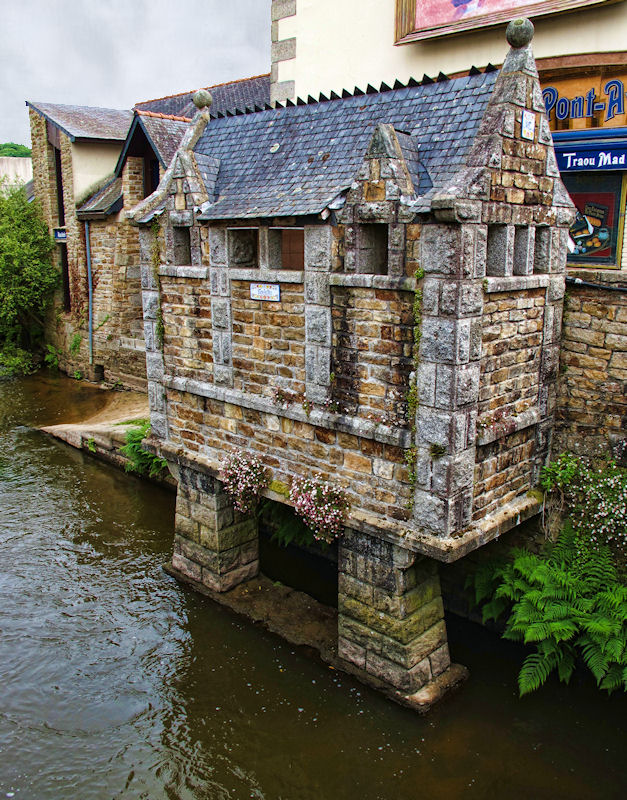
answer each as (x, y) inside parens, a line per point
(391, 617)
(213, 544)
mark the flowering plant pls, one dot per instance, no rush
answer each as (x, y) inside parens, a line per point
(244, 478)
(321, 506)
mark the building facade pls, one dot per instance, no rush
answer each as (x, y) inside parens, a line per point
(582, 61)
(89, 165)
(377, 303)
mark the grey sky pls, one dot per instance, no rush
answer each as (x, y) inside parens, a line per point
(113, 53)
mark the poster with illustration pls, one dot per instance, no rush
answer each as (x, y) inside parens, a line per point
(440, 12)
(596, 233)
(422, 19)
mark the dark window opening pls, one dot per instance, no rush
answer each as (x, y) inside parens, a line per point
(293, 249)
(372, 249)
(243, 247)
(151, 176)
(65, 278)
(59, 181)
(182, 246)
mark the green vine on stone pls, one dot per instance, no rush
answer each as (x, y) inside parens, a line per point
(412, 392)
(155, 254)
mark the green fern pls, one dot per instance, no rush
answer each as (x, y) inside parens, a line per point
(139, 460)
(566, 601)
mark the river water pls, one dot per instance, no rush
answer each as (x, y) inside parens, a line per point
(117, 682)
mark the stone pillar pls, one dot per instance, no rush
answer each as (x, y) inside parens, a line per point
(213, 544)
(391, 617)
(221, 324)
(318, 328)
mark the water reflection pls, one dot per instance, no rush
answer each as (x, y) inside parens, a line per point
(119, 683)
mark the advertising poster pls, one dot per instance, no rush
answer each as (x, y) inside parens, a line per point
(596, 234)
(423, 19)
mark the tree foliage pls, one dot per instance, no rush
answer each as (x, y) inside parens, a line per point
(14, 150)
(27, 275)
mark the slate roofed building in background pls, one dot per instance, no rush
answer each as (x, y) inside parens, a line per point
(231, 96)
(86, 122)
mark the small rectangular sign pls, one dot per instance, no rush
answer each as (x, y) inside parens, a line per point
(60, 235)
(265, 291)
(611, 156)
(528, 125)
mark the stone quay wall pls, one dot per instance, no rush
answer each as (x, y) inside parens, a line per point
(592, 404)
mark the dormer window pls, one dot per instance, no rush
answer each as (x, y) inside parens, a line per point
(372, 249)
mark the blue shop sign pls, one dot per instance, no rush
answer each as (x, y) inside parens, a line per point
(592, 156)
(60, 235)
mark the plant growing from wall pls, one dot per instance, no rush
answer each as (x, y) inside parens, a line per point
(287, 528)
(28, 278)
(592, 498)
(155, 255)
(321, 505)
(412, 393)
(75, 344)
(244, 478)
(141, 461)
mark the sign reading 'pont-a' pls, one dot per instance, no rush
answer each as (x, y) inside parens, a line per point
(611, 104)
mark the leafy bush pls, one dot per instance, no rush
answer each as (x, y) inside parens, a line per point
(27, 275)
(244, 478)
(567, 602)
(139, 460)
(15, 361)
(593, 498)
(322, 507)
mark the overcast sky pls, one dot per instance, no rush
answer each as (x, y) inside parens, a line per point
(114, 53)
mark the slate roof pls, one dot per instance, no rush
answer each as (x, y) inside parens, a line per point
(164, 134)
(296, 160)
(86, 122)
(226, 96)
(105, 201)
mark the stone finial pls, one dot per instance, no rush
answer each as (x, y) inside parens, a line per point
(202, 99)
(520, 32)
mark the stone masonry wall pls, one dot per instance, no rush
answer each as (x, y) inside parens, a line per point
(372, 351)
(268, 341)
(188, 343)
(592, 402)
(373, 471)
(118, 345)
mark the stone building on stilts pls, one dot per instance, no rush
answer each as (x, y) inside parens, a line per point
(368, 288)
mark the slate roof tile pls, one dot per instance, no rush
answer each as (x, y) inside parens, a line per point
(86, 122)
(258, 179)
(232, 95)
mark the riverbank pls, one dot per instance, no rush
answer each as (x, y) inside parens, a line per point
(103, 433)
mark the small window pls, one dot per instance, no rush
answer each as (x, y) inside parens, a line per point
(500, 255)
(372, 249)
(243, 248)
(293, 248)
(286, 248)
(182, 246)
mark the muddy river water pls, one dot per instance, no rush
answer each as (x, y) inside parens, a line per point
(117, 682)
